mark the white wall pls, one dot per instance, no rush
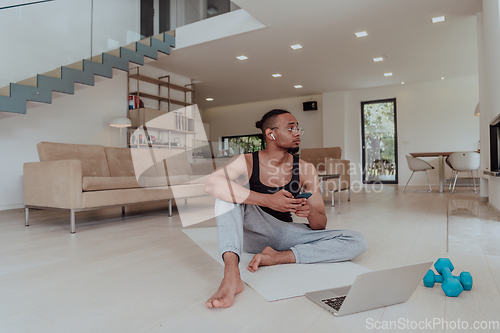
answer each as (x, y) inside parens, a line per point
(240, 119)
(431, 116)
(39, 38)
(82, 118)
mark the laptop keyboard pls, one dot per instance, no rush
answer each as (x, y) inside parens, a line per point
(334, 302)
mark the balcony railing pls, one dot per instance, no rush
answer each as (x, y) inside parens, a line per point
(40, 36)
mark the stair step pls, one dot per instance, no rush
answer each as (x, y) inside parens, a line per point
(31, 82)
(76, 65)
(56, 73)
(96, 58)
(131, 47)
(159, 37)
(145, 41)
(5, 91)
(115, 53)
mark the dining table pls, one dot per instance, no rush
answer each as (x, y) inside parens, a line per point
(441, 156)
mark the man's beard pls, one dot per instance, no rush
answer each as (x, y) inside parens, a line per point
(293, 150)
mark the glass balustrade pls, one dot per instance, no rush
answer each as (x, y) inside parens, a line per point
(41, 36)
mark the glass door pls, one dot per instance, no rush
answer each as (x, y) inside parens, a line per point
(379, 140)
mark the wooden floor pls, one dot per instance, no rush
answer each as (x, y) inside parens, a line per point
(140, 273)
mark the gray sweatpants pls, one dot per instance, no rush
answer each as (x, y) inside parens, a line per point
(247, 227)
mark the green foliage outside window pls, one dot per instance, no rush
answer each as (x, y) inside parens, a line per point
(379, 132)
(245, 143)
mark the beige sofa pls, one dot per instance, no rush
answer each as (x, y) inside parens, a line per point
(83, 177)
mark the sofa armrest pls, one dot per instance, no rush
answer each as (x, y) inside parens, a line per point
(337, 166)
(56, 184)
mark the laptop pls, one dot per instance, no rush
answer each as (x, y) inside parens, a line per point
(372, 290)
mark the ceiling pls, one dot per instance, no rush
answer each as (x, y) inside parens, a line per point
(332, 57)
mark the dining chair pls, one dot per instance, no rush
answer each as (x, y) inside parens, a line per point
(465, 162)
(447, 160)
(416, 165)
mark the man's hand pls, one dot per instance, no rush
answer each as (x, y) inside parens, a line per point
(304, 210)
(283, 201)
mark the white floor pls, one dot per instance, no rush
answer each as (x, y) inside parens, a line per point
(140, 273)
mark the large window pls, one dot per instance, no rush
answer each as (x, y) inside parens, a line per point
(380, 149)
(242, 144)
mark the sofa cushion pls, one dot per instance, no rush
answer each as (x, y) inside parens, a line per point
(108, 183)
(143, 164)
(153, 181)
(176, 161)
(116, 183)
(119, 162)
(93, 157)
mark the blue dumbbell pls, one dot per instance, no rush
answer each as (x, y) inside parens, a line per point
(451, 285)
(431, 278)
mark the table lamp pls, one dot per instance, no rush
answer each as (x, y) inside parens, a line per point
(120, 122)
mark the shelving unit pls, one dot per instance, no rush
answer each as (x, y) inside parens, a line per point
(143, 133)
(161, 83)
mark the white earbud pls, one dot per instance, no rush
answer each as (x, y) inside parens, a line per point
(272, 136)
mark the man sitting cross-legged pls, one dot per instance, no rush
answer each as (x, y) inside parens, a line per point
(255, 198)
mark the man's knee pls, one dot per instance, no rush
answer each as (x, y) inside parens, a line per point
(359, 242)
(222, 207)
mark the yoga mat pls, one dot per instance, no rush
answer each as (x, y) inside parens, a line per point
(282, 281)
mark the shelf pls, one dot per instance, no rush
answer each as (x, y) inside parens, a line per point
(160, 82)
(161, 98)
(162, 130)
(155, 145)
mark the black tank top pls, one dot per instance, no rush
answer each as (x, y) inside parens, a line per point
(293, 186)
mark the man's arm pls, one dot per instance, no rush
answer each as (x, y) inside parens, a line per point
(223, 184)
(314, 207)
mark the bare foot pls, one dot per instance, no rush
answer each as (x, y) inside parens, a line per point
(269, 257)
(223, 297)
(230, 285)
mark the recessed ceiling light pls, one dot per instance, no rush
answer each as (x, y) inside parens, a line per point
(442, 78)
(296, 46)
(242, 57)
(297, 86)
(361, 34)
(402, 83)
(438, 19)
(387, 74)
(210, 99)
(378, 59)
(277, 75)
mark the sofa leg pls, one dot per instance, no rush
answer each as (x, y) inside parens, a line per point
(186, 201)
(27, 216)
(170, 207)
(123, 210)
(349, 194)
(72, 220)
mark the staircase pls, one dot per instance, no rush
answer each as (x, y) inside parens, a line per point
(13, 98)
